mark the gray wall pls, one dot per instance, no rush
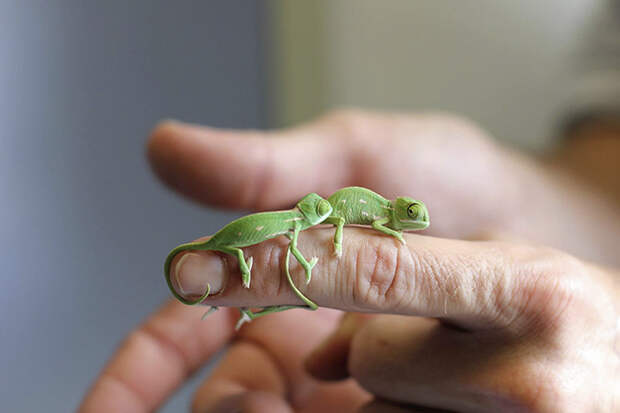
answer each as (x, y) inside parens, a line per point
(511, 66)
(84, 224)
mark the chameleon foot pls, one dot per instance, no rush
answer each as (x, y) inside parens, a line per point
(246, 276)
(210, 311)
(338, 250)
(313, 262)
(246, 317)
(309, 268)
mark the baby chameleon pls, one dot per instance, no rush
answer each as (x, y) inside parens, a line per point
(253, 229)
(360, 206)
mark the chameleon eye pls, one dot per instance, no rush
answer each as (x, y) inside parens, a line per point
(323, 208)
(413, 211)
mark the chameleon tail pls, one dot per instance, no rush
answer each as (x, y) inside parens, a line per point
(247, 315)
(198, 245)
(299, 294)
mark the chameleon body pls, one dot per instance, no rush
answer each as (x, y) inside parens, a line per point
(347, 206)
(253, 229)
(360, 206)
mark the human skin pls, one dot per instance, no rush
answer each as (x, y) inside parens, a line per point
(526, 321)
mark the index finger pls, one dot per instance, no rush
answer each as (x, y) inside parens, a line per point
(476, 285)
(249, 169)
(157, 357)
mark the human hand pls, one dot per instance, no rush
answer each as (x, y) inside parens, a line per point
(470, 183)
(556, 352)
(509, 328)
(443, 160)
(475, 286)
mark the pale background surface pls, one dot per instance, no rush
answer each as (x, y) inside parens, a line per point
(84, 225)
(510, 66)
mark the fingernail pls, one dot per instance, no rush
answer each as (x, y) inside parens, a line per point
(193, 272)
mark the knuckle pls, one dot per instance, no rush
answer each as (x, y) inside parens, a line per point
(381, 276)
(551, 288)
(450, 128)
(529, 385)
(556, 383)
(150, 336)
(267, 260)
(352, 123)
(271, 262)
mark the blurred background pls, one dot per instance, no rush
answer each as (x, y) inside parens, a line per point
(84, 224)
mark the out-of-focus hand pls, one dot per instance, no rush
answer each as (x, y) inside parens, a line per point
(469, 182)
(483, 325)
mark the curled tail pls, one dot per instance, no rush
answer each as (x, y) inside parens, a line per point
(198, 245)
(299, 294)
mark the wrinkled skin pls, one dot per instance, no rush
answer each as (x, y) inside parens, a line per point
(521, 316)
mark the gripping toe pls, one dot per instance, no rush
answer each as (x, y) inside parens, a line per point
(313, 261)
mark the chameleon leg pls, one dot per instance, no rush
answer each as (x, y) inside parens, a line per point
(248, 315)
(379, 226)
(244, 266)
(339, 223)
(307, 265)
(210, 311)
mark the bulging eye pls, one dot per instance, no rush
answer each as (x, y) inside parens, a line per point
(323, 208)
(413, 211)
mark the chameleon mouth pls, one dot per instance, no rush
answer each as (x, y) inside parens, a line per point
(417, 222)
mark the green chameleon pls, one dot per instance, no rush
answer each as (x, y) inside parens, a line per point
(253, 229)
(360, 206)
(347, 206)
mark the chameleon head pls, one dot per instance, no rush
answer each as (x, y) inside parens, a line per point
(409, 214)
(314, 208)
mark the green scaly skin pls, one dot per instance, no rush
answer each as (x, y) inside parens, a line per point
(359, 206)
(253, 229)
(347, 206)
(355, 205)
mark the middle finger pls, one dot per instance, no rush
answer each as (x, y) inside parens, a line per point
(268, 358)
